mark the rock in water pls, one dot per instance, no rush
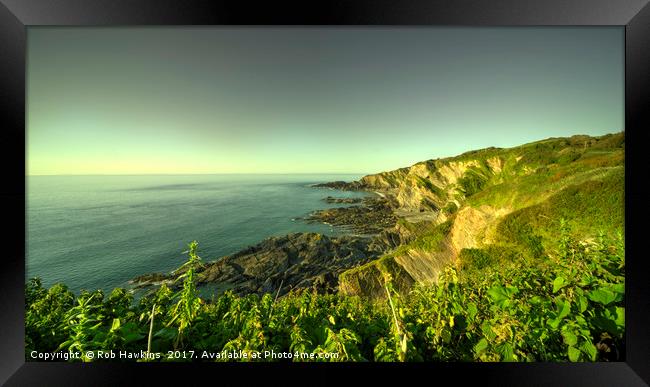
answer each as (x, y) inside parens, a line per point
(151, 279)
(342, 185)
(333, 200)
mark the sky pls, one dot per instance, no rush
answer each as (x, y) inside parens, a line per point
(185, 100)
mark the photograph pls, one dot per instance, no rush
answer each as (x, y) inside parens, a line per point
(325, 194)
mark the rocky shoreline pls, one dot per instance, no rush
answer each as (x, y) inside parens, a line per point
(300, 260)
(374, 215)
(340, 185)
(279, 264)
(333, 200)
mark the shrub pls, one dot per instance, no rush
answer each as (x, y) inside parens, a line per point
(472, 182)
(571, 308)
(450, 208)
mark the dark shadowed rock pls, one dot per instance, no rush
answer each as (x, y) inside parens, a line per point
(342, 185)
(151, 279)
(371, 218)
(333, 200)
(299, 260)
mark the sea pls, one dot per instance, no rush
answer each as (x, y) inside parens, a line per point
(99, 232)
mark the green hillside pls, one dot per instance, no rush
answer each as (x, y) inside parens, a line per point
(500, 205)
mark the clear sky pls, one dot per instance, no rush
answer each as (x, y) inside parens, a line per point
(309, 100)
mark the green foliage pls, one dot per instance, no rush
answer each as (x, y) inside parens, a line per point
(451, 208)
(429, 241)
(533, 172)
(477, 259)
(473, 181)
(563, 311)
(543, 155)
(592, 207)
(512, 229)
(570, 309)
(568, 157)
(45, 313)
(188, 303)
(82, 322)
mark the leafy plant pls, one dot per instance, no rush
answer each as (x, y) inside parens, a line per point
(568, 307)
(188, 303)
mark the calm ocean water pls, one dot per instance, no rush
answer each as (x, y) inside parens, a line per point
(97, 232)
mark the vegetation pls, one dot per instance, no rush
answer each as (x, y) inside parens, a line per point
(590, 207)
(428, 241)
(426, 183)
(569, 309)
(450, 208)
(473, 181)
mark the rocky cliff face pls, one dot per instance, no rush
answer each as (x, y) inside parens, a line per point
(471, 227)
(429, 185)
(472, 195)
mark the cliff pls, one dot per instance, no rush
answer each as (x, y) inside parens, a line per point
(496, 204)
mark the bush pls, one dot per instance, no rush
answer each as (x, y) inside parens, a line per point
(472, 182)
(475, 259)
(569, 309)
(450, 208)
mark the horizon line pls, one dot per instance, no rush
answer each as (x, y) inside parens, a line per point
(439, 157)
(186, 174)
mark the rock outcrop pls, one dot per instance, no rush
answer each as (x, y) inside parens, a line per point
(299, 260)
(470, 227)
(333, 200)
(373, 216)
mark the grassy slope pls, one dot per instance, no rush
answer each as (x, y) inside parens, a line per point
(578, 179)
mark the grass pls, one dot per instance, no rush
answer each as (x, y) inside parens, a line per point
(590, 207)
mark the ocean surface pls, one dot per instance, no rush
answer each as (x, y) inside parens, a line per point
(98, 232)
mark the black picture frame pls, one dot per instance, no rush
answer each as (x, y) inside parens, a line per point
(17, 15)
